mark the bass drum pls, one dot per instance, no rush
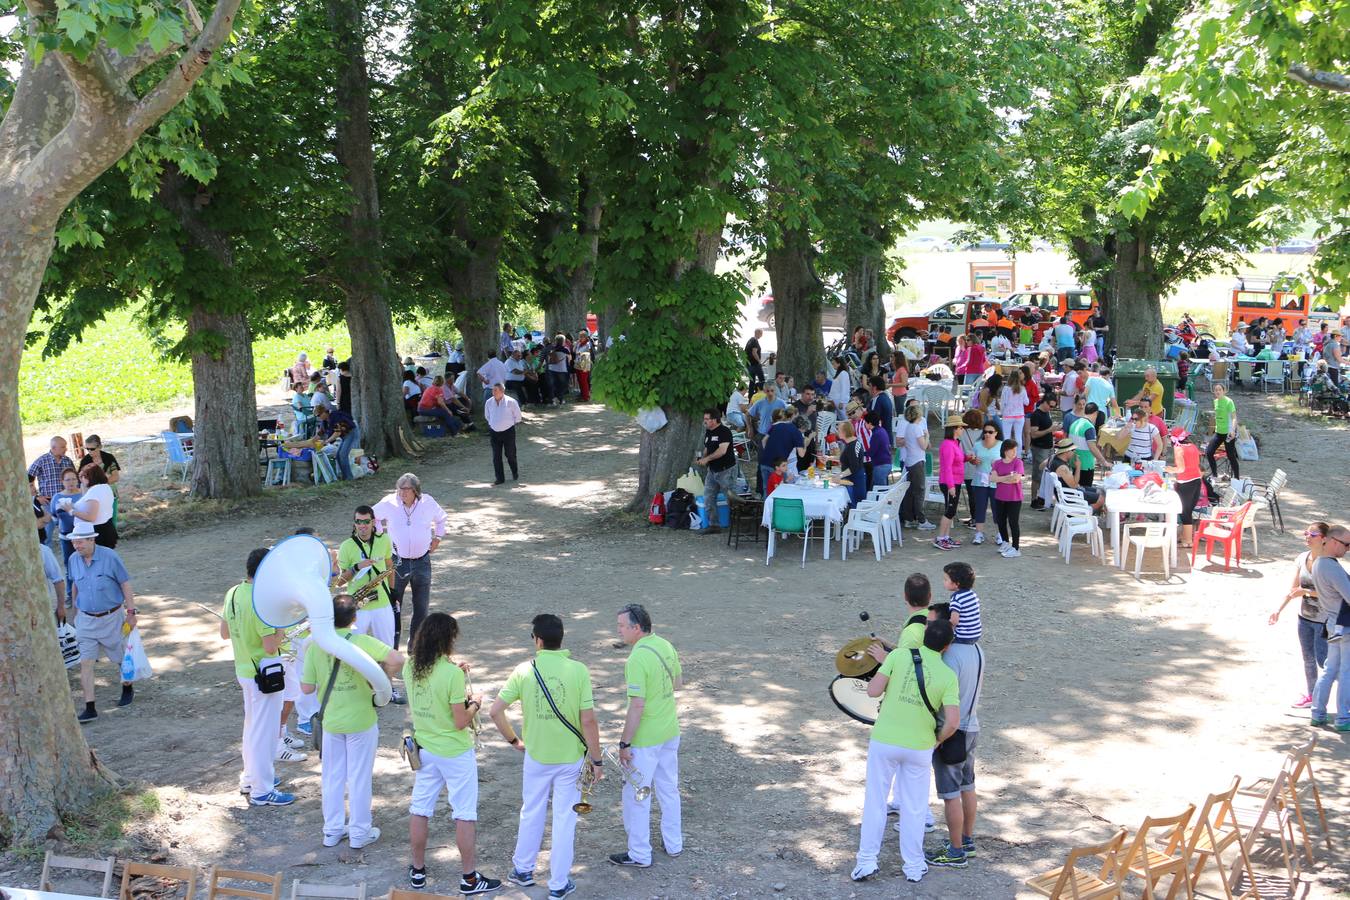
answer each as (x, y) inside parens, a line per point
(850, 695)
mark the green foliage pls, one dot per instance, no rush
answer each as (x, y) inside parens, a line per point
(1224, 87)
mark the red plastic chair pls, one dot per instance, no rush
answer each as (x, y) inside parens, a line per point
(1224, 527)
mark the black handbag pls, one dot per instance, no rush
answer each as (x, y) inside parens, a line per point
(952, 751)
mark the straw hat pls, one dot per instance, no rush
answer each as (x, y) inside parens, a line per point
(955, 422)
(1064, 444)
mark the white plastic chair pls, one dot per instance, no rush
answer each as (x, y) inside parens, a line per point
(1088, 527)
(1152, 536)
(1068, 502)
(864, 521)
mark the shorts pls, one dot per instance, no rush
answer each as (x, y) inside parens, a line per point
(457, 774)
(954, 780)
(101, 634)
(951, 493)
(1090, 494)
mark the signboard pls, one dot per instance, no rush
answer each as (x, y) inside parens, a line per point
(992, 279)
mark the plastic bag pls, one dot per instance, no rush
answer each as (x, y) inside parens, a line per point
(135, 664)
(70, 646)
(652, 420)
(692, 482)
(1246, 446)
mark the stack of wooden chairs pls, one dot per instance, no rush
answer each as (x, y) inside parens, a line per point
(1178, 848)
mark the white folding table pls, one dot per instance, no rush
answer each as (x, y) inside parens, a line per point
(1131, 501)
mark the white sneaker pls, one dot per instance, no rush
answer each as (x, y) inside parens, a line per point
(862, 873)
(335, 840)
(978, 539)
(927, 526)
(371, 837)
(999, 542)
(295, 743)
(286, 754)
(1011, 553)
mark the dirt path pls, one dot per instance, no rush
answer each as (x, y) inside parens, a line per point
(1106, 699)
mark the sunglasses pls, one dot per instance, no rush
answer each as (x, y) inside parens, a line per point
(363, 521)
(989, 431)
(1312, 534)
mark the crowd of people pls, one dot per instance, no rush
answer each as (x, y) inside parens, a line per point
(1047, 414)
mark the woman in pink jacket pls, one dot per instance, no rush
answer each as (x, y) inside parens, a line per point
(951, 474)
(972, 366)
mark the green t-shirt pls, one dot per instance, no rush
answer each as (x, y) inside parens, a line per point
(350, 709)
(904, 720)
(546, 739)
(1079, 429)
(379, 549)
(1224, 412)
(647, 678)
(911, 636)
(432, 700)
(246, 630)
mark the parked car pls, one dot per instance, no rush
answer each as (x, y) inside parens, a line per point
(941, 245)
(1294, 245)
(988, 246)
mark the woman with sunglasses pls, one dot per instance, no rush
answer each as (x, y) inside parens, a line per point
(981, 487)
(1312, 634)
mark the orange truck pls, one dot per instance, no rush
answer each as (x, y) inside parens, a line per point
(958, 315)
(1257, 296)
(1052, 303)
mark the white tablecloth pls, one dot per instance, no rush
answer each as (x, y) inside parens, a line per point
(1130, 501)
(827, 504)
(28, 894)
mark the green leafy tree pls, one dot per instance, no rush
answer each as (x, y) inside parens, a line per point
(1235, 78)
(94, 77)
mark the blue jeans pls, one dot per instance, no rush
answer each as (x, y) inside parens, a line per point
(970, 377)
(349, 442)
(451, 422)
(980, 498)
(1337, 670)
(764, 473)
(881, 476)
(735, 421)
(414, 573)
(1101, 347)
(1312, 640)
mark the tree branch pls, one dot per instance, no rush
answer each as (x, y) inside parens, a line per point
(175, 85)
(128, 67)
(97, 83)
(1327, 81)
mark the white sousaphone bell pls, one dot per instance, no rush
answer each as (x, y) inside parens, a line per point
(291, 584)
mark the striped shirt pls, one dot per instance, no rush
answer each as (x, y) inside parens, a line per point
(967, 606)
(1141, 441)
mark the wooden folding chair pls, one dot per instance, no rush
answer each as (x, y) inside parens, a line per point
(398, 894)
(1297, 762)
(77, 446)
(134, 870)
(1068, 882)
(215, 889)
(1267, 815)
(51, 861)
(1153, 864)
(1214, 831)
(328, 891)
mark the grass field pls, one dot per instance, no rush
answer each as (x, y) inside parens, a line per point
(117, 369)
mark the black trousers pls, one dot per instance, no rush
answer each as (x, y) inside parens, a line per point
(1229, 442)
(504, 442)
(1008, 515)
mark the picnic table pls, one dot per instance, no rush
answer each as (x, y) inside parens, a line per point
(826, 504)
(1132, 501)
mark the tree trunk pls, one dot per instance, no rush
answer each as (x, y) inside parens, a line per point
(377, 380)
(475, 294)
(862, 290)
(796, 307)
(225, 449)
(606, 319)
(1137, 320)
(46, 769)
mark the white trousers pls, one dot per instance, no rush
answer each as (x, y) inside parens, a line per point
(911, 771)
(660, 768)
(262, 715)
(348, 761)
(378, 623)
(540, 780)
(1012, 431)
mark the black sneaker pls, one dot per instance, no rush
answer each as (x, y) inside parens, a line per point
(524, 879)
(968, 845)
(474, 883)
(88, 714)
(623, 859)
(563, 891)
(417, 878)
(128, 693)
(948, 857)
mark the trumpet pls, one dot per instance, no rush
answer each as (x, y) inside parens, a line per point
(586, 779)
(630, 773)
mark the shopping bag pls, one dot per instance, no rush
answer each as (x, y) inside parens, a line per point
(652, 419)
(1246, 446)
(692, 482)
(70, 646)
(135, 664)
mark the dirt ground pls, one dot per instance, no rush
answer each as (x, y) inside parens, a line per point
(1107, 698)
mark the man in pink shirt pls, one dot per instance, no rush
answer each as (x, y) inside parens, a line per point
(503, 415)
(415, 523)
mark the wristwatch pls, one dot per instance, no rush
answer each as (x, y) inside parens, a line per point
(624, 745)
(598, 762)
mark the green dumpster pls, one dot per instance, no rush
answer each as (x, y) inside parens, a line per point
(1129, 374)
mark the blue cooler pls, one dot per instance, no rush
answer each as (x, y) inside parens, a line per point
(723, 511)
(434, 431)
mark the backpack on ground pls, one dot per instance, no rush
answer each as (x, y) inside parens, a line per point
(679, 509)
(657, 514)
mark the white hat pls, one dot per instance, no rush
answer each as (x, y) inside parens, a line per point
(82, 530)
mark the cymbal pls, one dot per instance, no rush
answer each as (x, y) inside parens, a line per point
(853, 660)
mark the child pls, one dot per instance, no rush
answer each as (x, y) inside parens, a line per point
(777, 476)
(1007, 479)
(959, 578)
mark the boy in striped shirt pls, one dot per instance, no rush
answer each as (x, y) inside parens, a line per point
(964, 606)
